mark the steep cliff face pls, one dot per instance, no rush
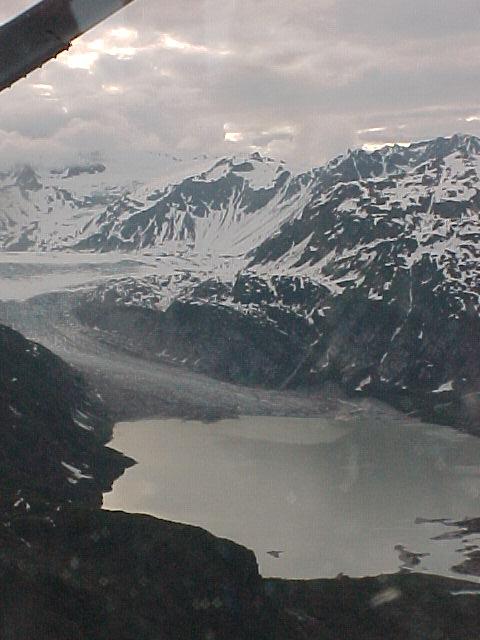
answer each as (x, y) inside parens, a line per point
(216, 339)
(52, 431)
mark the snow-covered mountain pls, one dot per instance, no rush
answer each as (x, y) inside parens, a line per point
(228, 209)
(366, 270)
(49, 209)
(237, 204)
(400, 204)
(375, 283)
(44, 210)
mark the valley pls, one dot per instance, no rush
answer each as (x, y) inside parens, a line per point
(363, 272)
(300, 337)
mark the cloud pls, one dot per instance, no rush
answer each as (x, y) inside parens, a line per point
(302, 81)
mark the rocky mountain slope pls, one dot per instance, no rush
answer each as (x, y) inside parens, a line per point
(374, 283)
(228, 209)
(397, 246)
(43, 209)
(365, 271)
(52, 432)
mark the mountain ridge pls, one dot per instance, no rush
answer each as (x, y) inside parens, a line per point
(375, 284)
(85, 207)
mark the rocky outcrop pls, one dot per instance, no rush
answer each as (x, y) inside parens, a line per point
(84, 574)
(52, 431)
(405, 606)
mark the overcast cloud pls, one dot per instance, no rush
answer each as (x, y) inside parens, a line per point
(300, 80)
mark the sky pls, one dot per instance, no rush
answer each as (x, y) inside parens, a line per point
(300, 80)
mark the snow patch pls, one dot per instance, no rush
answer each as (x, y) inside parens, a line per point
(76, 473)
(447, 386)
(364, 383)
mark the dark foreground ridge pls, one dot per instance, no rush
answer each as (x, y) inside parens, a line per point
(99, 574)
(70, 571)
(53, 431)
(96, 574)
(403, 606)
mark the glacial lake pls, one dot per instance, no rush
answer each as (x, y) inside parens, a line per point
(332, 496)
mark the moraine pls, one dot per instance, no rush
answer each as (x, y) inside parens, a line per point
(334, 496)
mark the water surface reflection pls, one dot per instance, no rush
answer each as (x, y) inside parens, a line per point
(332, 497)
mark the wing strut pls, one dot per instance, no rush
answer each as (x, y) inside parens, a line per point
(44, 31)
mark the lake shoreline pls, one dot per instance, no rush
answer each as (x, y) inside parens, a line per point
(293, 477)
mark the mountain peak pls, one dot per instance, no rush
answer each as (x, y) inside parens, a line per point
(260, 171)
(393, 159)
(26, 178)
(179, 208)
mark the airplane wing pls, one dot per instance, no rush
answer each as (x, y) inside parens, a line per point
(44, 31)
